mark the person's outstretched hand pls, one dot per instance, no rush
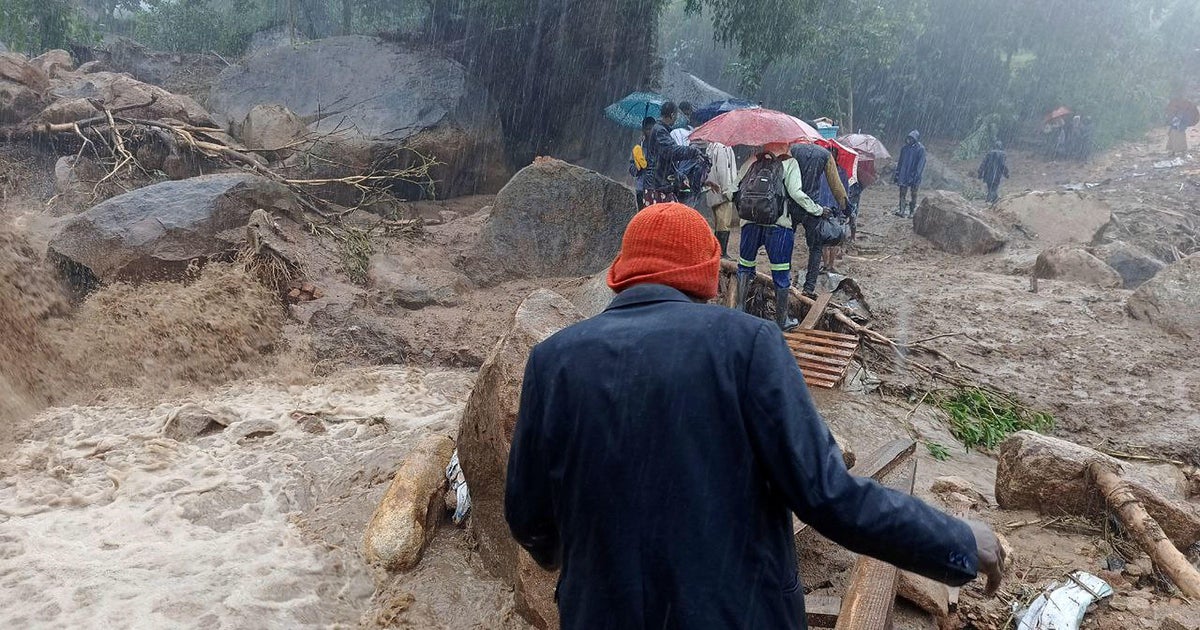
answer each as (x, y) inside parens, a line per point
(991, 555)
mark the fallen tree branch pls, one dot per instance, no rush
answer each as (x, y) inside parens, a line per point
(1145, 530)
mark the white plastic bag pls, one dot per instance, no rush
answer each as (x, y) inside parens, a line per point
(1061, 607)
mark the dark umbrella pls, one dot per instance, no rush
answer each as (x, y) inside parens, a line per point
(629, 111)
(716, 108)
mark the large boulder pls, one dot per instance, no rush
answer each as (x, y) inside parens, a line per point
(941, 176)
(485, 438)
(156, 232)
(1049, 475)
(1075, 264)
(591, 295)
(680, 85)
(1135, 264)
(272, 127)
(21, 87)
(52, 63)
(134, 98)
(375, 104)
(953, 225)
(1054, 218)
(552, 219)
(1171, 300)
(406, 519)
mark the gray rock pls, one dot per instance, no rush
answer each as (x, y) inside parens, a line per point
(1055, 218)
(73, 174)
(135, 98)
(272, 128)
(375, 103)
(552, 219)
(1171, 300)
(1136, 265)
(592, 295)
(53, 62)
(940, 176)
(192, 421)
(485, 438)
(399, 281)
(1074, 264)
(953, 225)
(21, 88)
(155, 233)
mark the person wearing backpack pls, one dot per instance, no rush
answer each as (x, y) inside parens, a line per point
(664, 181)
(822, 183)
(770, 201)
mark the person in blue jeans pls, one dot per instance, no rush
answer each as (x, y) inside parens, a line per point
(779, 239)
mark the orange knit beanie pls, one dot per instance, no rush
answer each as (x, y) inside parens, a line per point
(671, 244)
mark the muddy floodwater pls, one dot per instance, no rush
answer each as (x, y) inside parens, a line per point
(105, 522)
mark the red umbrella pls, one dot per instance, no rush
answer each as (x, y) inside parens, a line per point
(756, 128)
(847, 158)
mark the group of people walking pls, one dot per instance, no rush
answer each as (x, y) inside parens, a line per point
(778, 190)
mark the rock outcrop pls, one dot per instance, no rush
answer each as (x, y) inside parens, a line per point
(407, 517)
(485, 438)
(952, 225)
(156, 232)
(552, 219)
(120, 91)
(22, 86)
(1048, 475)
(1136, 265)
(192, 421)
(1075, 264)
(374, 103)
(1055, 218)
(1171, 300)
(592, 295)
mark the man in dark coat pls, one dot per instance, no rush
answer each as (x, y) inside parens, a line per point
(910, 168)
(662, 447)
(993, 168)
(664, 155)
(817, 166)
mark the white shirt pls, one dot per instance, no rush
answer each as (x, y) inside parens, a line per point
(723, 173)
(681, 135)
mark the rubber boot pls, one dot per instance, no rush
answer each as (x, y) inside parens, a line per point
(723, 239)
(781, 311)
(912, 209)
(743, 290)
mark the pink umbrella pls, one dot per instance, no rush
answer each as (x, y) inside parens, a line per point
(756, 128)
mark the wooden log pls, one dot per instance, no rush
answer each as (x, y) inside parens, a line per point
(924, 593)
(1145, 530)
(871, 596)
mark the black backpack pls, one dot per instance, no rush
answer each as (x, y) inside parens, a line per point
(761, 196)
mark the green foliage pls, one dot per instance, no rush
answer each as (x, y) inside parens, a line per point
(199, 25)
(981, 418)
(937, 451)
(35, 26)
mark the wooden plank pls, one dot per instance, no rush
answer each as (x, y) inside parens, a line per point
(884, 460)
(871, 596)
(823, 341)
(832, 351)
(829, 334)
(822, 611)
(815, 313)
(832, 370)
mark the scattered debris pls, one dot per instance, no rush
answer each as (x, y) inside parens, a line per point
(458, 491)
(1062, 606)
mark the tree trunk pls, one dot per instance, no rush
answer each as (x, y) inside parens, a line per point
(850, 128)
(347, 16)
(1146, 531)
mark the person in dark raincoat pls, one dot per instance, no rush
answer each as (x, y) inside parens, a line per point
(662, 447)
(910, 168)
(664, 155)
(992, 170)
(817, 166)
(639, 166)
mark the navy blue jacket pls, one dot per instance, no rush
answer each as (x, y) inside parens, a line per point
(660, 450)
(664, 156)
(910, 168)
